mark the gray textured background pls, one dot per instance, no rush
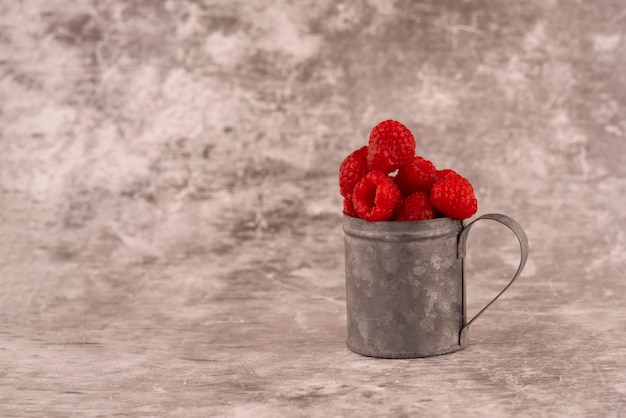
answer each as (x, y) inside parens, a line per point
(170, 222)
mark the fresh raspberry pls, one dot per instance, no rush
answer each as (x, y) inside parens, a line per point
(351, 170)
(348, 207)
(418, 175)
(376, 197)
(391, 145)
(453, 196)
(416, 207)
(440, 174)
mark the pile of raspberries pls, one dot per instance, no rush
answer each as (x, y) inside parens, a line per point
(385, 181)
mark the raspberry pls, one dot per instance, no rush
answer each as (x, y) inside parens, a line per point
(376, 197)
(391, 145)
(453, 196)
(442, 173)
(351, 170)
(416, 207)
(418, 175)
(348, 207)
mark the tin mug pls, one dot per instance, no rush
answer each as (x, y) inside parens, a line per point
(405, 285)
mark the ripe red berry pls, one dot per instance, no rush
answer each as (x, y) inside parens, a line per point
(442, 173)
(416, 207)
(376, 197)
(351, 170)
(417, 175)
(348, 207)
(391, 145)
(454, 197)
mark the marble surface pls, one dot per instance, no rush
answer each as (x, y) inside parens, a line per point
(170, 221)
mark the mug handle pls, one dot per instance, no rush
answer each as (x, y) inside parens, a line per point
(517, 229)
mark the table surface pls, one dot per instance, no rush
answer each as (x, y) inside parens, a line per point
(170, 220)
(259, 328)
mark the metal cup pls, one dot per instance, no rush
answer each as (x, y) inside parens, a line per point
(405, 287)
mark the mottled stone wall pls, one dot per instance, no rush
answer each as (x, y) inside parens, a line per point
(170, 220)
(163, 130)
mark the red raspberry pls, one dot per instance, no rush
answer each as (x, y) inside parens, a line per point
(416, 207)
(351, 170)
(376, 197)
(453, 196)
(442, 173)
(391, 145)
(348, 207)
(418, 175)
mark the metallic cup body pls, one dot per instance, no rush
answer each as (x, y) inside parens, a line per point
(404, 287)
